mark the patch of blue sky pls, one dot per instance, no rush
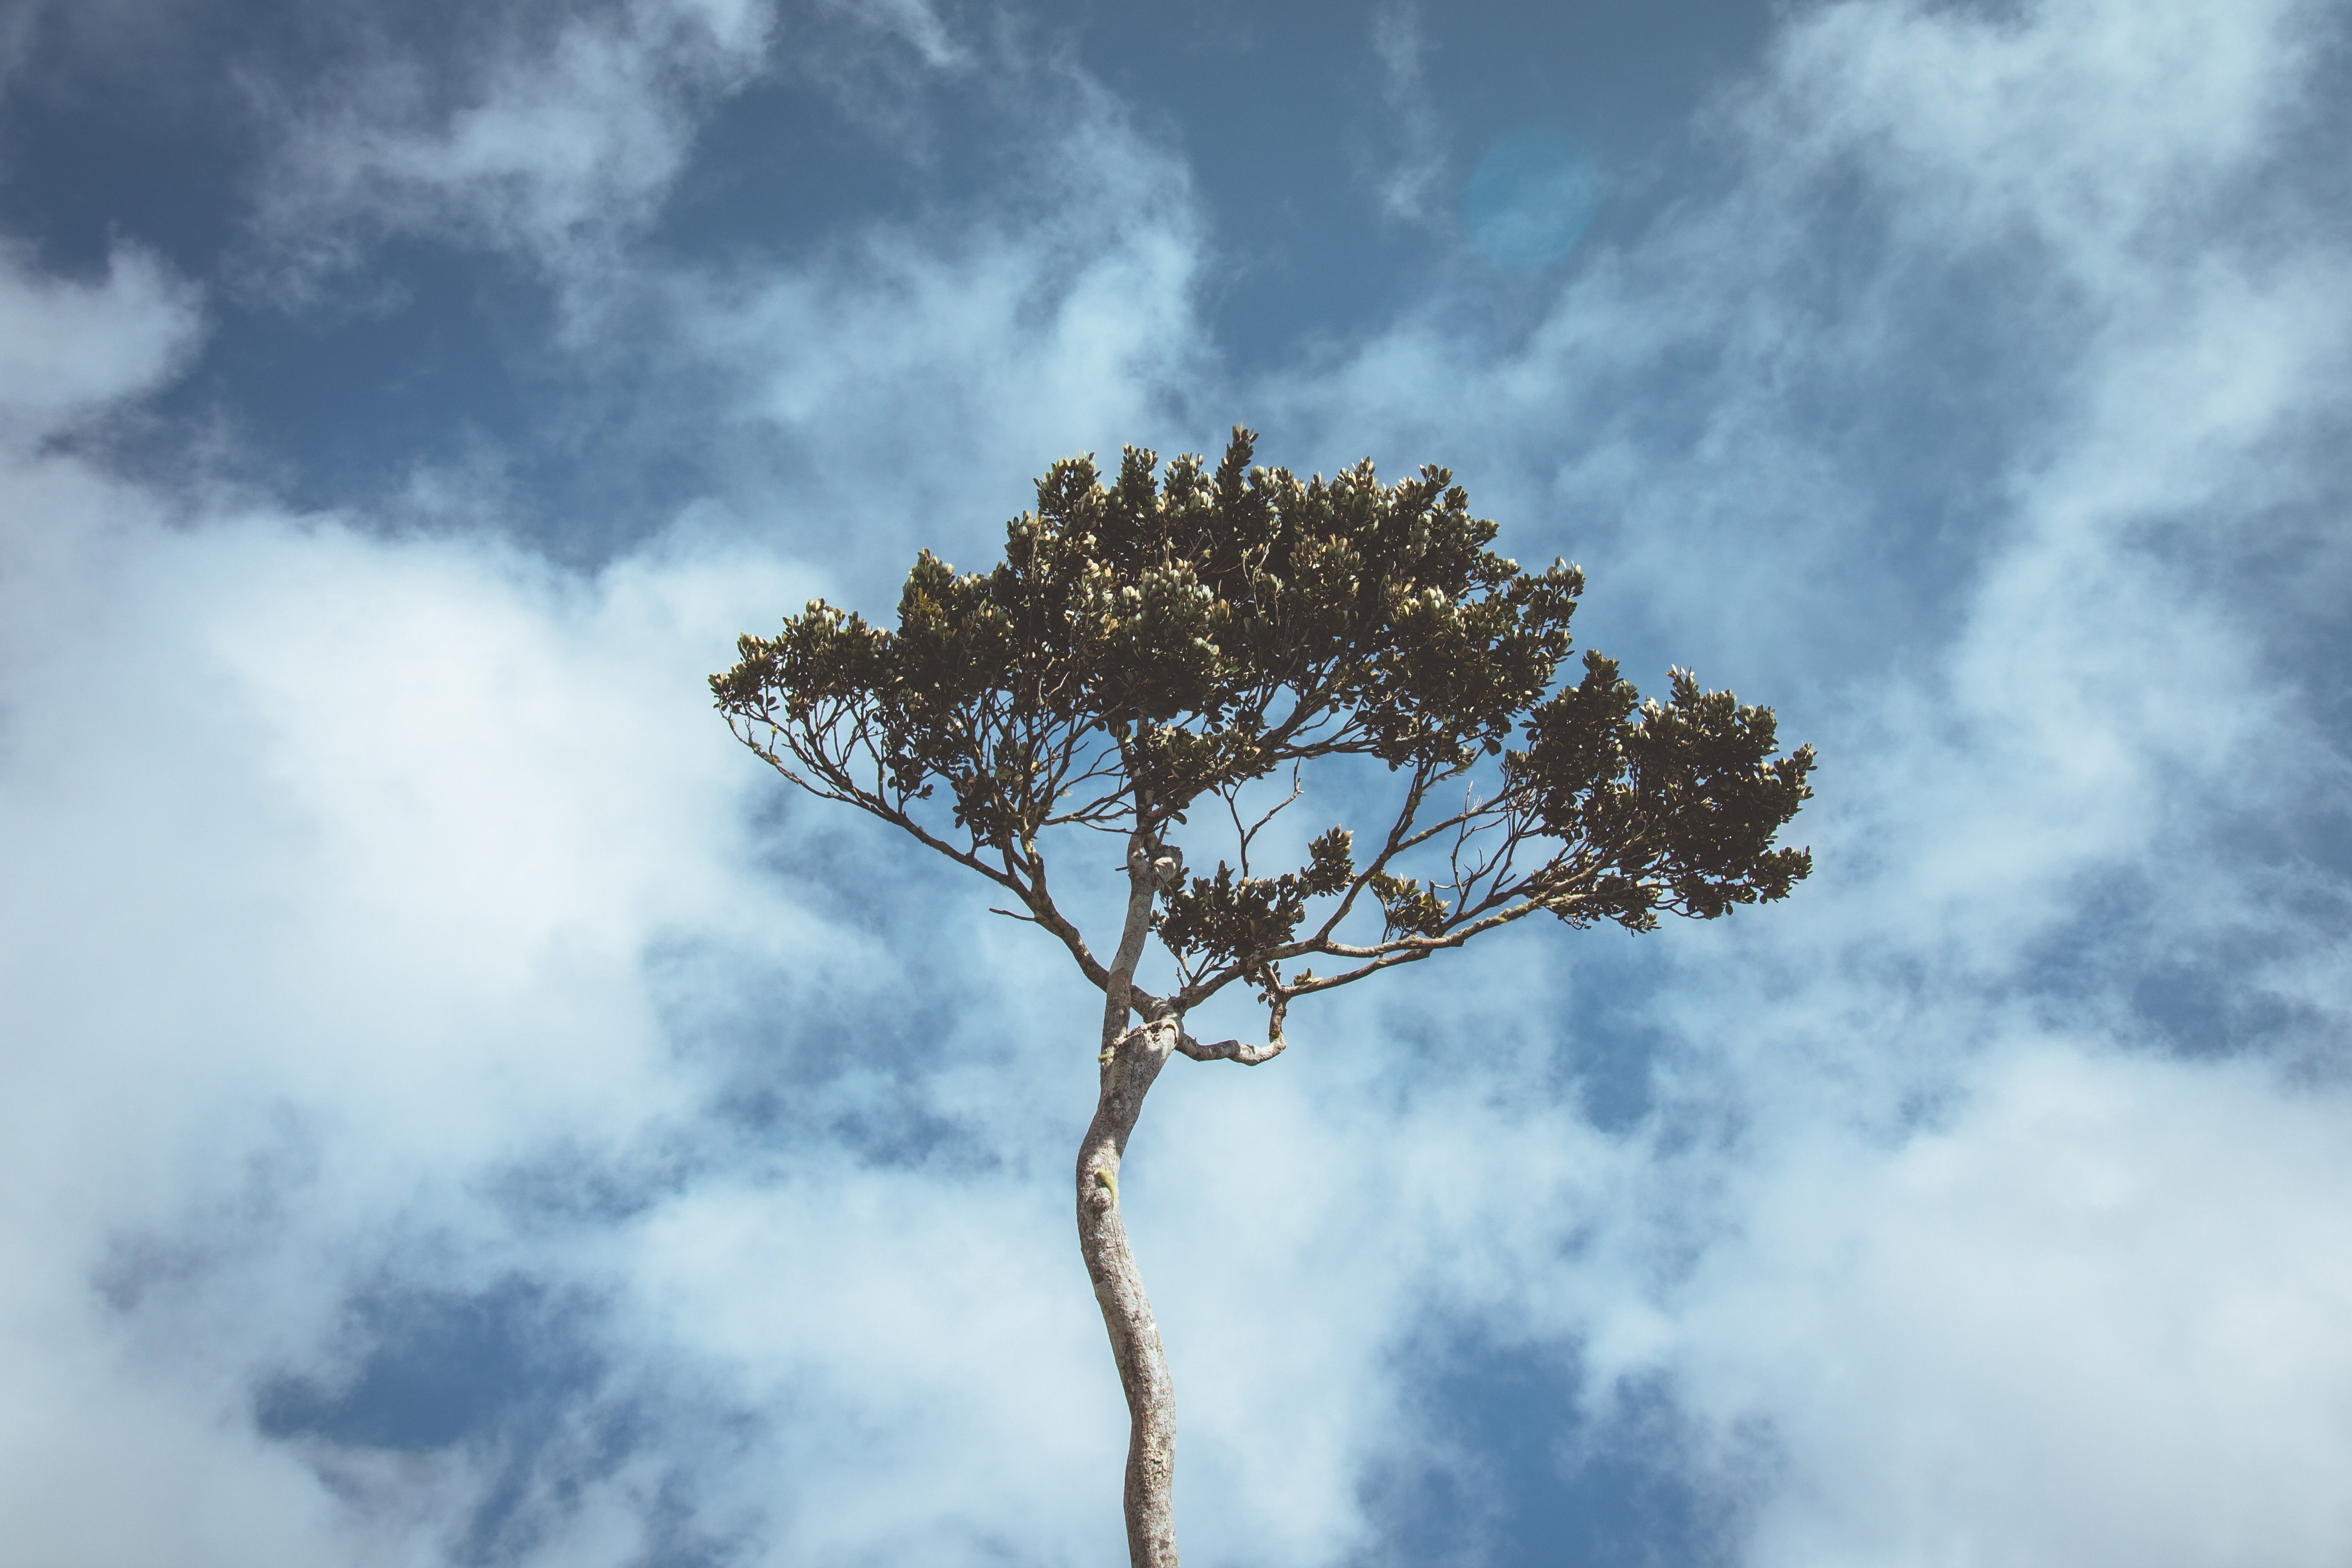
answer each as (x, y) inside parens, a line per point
(1526, 1471)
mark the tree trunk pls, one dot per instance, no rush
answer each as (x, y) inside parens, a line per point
(1130, 1061)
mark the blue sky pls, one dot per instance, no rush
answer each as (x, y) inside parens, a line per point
(462, 1111)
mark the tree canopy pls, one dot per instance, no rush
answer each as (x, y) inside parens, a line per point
(1171, 636)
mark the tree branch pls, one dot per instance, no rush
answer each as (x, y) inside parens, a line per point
(1241, 1051)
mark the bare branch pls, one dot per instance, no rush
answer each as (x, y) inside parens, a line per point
(1041, 905)
(1247, 1054)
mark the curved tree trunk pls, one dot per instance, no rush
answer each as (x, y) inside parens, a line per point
(1130, 1061)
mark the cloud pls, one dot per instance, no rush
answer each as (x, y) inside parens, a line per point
(2089, 1322)
(1407, 190)
(414, 979)
(549, 138)
(1051, 309)
(337, 860)
(913, 22)
(885, 381)
(404, 973)
(553, 135)
(67, 350)
(1985, 475)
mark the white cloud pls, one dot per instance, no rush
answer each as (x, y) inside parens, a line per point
(353, 864)
(2091, 1321)
(70, 348)
(910, 385)
(551, 142)
(349, 858)
(2098, 127)
(335, 861)
(914, 22)
(1986, 1283)
(1407, 190)
(556, 134)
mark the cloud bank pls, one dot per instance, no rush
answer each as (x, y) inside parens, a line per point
(462, 1115)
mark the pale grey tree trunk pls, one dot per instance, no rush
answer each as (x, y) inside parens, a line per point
(1131, 1060)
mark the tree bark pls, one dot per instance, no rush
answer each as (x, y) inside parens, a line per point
(1131, 1060)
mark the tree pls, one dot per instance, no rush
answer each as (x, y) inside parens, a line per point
(1173, 638)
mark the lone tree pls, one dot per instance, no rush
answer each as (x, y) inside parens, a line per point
(1165, 641)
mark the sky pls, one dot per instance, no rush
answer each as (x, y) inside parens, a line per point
(462, 1109)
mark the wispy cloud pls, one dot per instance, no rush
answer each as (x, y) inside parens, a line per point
(548, 137)
(71, 350)
(1408, 189)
